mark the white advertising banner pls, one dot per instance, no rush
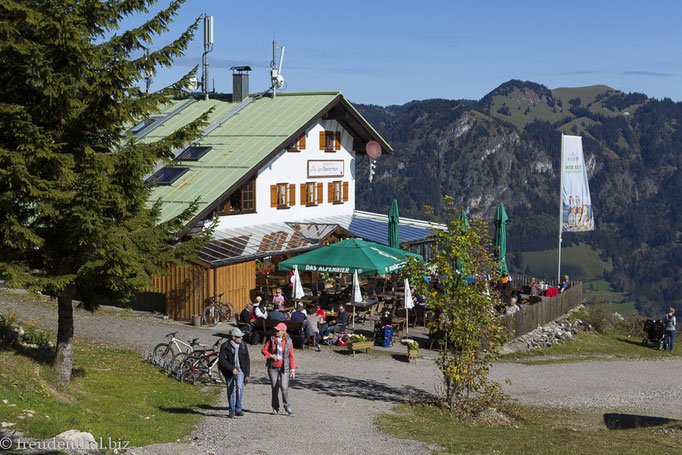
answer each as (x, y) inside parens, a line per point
(576, 205)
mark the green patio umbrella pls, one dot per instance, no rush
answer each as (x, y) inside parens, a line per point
(347, 256)
(393, 220)
(501, 239)
(465, 228)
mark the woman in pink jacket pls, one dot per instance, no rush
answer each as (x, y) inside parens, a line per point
(279, 355)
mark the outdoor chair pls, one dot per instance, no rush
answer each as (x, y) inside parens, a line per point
(244, 327)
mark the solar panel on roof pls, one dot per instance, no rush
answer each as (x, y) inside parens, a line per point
(168, 175)
(194, 153)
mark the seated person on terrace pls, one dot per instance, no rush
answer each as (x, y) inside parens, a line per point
(339, 323)
(259, 309)
(299, 315)
(534, 288)
(277, 315)
(513, 307)
(319, 312)
(278, 299)
(564, 283)
(247, 317)
(311, 328)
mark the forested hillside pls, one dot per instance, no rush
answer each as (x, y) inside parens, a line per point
(506, 148)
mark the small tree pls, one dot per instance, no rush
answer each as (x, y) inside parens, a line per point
(462, 311)
(74, 217)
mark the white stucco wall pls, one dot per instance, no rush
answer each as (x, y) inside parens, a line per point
(292, 168)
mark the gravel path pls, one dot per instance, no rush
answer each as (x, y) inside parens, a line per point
(336, 397)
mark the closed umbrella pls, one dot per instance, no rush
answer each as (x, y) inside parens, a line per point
(465, 227)
(501, 239)
(297, 289)
(393, 221)
(409, 304)
(357, 295)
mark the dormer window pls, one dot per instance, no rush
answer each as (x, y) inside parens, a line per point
(193, 153)
(298, 145)
(168, 175)
(330, 141)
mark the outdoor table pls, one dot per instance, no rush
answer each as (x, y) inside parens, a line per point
(364, 305)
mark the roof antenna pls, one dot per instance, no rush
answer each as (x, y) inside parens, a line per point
(147, 73)
(208, 47)
(276, 71)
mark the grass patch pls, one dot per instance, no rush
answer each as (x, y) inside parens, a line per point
(537, 430)
(113, 393)
(610, 345)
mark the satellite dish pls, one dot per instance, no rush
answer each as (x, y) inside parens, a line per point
(373, 149)
(193, 84)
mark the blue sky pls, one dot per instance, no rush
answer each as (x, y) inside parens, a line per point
(381, 52)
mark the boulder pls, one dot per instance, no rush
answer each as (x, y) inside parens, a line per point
(79, 441)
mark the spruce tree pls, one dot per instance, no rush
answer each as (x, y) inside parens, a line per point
(75, 222)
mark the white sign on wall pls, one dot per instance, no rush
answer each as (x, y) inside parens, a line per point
(325, 168)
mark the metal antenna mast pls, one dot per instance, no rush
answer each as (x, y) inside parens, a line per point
(208, 47)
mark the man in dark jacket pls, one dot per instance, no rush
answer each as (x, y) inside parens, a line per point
(235, 365)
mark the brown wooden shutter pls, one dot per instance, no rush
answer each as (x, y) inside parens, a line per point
(319, 194)
(292, 195)
(345, 191)
(304, 194)
(302, 143)
(322, 140)
(337, 141)
(273, 195)
(330, 192)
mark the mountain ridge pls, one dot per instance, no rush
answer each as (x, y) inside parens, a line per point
(506, 147)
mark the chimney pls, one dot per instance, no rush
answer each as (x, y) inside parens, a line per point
(240, 83)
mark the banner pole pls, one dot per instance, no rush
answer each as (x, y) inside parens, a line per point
(561, 204)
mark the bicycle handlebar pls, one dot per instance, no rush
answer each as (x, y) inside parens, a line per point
(172, 334)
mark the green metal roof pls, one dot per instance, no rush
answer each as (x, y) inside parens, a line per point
(244, 140)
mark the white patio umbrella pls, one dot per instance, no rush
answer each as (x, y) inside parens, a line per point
(297, 288)
(409, 304)
(357, 295)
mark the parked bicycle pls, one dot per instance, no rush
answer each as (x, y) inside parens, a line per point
(199, 365)
(216, 311)
(163, 353)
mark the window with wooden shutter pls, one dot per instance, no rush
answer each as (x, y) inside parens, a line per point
(330, 192)
(243, 200)
(298, 145)
(329, 139)
(336, 190)
(282, 196)
(292, 195)
(310, 189)
(273, 196)
(345, 191)
(304, 194)
(319, 193)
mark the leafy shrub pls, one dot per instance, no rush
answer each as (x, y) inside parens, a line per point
(632, 326)
(600, 318)
(357, 338)
(413, 346)
(35, 336)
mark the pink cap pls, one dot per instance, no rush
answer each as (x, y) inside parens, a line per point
(281, 326)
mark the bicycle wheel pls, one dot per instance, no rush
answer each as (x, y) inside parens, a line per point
(161, 354)
(192, 369)
(229, 310)
(210, 316)
(173, 367)
(191, 376)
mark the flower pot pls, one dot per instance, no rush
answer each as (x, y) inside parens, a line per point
(359, 346)
(412, 354)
